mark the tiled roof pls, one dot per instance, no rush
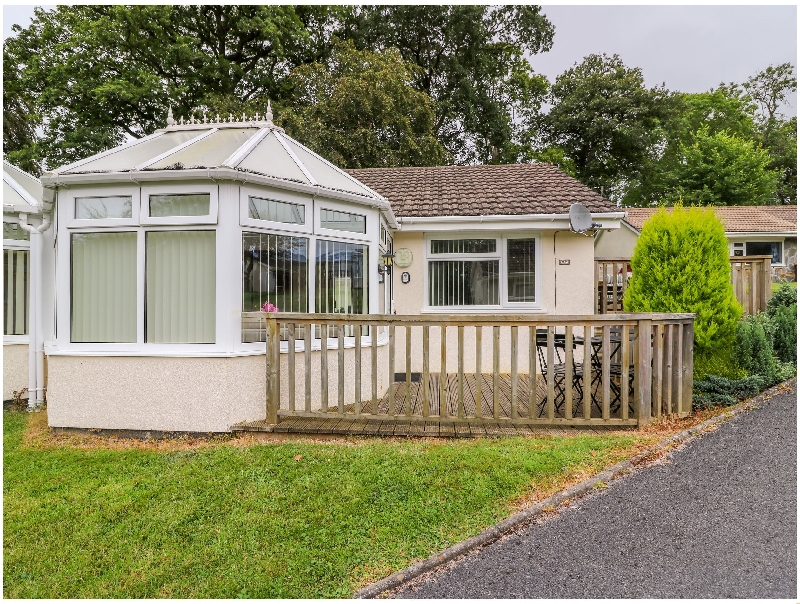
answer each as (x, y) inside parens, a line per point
(481, 190)
(737, 219)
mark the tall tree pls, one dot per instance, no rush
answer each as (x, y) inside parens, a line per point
(605, 120)
(472, 63)
(721, 169)
(359, 109)
(96, 74)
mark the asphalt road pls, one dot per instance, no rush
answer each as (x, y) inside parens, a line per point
(716, 519)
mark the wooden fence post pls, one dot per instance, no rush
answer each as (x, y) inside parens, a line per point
(644, 372)
(688, 368)
(274, 359)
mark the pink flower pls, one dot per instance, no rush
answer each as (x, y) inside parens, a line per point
(269, 307)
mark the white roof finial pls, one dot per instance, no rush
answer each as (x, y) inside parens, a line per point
(170, 120)
(269, 113)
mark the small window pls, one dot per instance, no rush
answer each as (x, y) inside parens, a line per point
(463, 246)
(343, 221)
(188, 204)
(766, 248)
(521, 267)
(11, 230)
(276, 211)
(97, 208)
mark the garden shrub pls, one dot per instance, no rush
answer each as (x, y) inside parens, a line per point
(752, 350)
(681, 265)
(784, 323)
(785, 296)
(716, 390)
(719, 362)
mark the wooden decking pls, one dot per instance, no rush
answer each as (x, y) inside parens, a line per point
(488, 425)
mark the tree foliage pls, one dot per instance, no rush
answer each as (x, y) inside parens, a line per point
(90, 76)
(680, 265)
(720, 169)
(605, 120)
(359, 109)
(473, 64)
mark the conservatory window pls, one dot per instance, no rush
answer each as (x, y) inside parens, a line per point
(11, 230)
(341, 279)
(180, 204)
(276, 211)
(343, 221)
(15, 292)
(103, 287)
(274, 271)
(97, 208)
(180, 298)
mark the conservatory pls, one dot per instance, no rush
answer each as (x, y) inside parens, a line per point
(162, 243)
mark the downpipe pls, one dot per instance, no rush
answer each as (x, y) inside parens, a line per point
(35, 333)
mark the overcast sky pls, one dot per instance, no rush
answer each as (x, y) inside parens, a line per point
(688, 48)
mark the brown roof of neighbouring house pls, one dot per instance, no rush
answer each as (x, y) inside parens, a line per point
(737, 219)
(481, 190)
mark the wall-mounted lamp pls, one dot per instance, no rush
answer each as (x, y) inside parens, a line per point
(386, 267)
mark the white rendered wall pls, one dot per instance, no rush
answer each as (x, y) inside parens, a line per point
(15, 369)
(147, 393)
(188, 394)
(617, 243)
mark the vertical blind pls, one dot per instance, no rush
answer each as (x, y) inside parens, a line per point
(180, 287)
(464, 282)
(274, 270)
(341, 279)
(342, 221)
(15, 294)
(521, 262)
(463, 246)
(104, 287)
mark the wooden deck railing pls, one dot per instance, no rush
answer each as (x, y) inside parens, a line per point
(751, 277)
(529, 369)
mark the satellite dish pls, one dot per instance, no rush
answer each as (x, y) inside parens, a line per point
(580, 219)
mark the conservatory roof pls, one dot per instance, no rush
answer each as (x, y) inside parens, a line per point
(21, 192)
(251, 149)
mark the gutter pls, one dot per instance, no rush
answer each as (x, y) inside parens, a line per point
(609, 220)
(56, 179)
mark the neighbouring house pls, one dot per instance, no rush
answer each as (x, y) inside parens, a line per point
(160, 245)
(751, 231)
(22, 194)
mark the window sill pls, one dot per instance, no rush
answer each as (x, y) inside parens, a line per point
(477, 310)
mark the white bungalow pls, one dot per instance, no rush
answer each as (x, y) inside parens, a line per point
(161, 244)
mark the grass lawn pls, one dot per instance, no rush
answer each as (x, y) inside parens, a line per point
(777, 286)
(86, 516)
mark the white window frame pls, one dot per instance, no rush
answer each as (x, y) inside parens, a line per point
(766, 238)
(17, 245)
(500, 254)
(325, 233)
(179, 189)
(78, 223)
(245, 192)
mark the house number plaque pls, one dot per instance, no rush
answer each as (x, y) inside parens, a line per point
(403, 257)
